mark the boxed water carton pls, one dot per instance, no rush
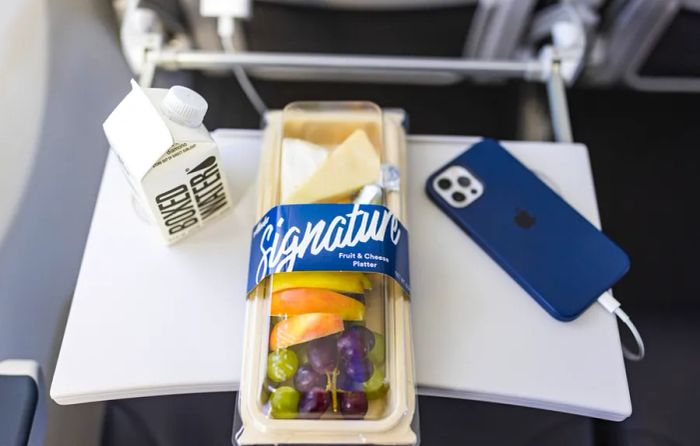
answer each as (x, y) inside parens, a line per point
(169, 157)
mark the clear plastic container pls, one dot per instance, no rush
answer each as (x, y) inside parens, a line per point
(328, 356)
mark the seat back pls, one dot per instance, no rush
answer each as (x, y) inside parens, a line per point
(650, 45)
(19, 393)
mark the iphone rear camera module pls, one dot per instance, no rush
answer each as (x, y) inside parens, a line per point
(458, 187)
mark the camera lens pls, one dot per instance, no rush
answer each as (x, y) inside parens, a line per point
(444, 183)
(464, 181)
(458, 197)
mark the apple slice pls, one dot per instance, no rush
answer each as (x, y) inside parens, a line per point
(316, 300)
(304, 328)
(343, 281)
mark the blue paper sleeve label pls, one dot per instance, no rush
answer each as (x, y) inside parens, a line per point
(329, 237)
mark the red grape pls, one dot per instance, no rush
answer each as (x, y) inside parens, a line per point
(353, 404)
(314, 403)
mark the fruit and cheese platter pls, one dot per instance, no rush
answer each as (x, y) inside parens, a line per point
(327, 354)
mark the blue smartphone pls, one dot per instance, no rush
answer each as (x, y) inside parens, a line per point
(563, 261)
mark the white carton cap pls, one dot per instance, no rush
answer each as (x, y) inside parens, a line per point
(184, 106)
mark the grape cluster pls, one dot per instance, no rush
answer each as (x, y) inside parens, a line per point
(337, 373)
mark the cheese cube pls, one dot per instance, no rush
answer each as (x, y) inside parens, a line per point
(350, 166)
(300, 160)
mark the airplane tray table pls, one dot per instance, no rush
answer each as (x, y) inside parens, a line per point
(149, 319)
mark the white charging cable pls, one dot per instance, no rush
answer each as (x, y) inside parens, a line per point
(225, 29)
(615, 307)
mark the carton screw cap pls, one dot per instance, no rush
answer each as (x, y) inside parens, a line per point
(184, 106)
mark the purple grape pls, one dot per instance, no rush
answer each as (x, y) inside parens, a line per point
(306, 379)
(355, 343)
(358, 370)
(351, 347)
(363, 333)
(323, 355)
(343, 382)
(314, 403)
(353, 404)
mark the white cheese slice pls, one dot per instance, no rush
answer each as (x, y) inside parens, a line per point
(300, 160)
(350, 166)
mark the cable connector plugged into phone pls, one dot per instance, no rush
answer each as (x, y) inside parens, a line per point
(613, 306)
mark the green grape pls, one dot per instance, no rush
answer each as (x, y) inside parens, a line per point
(284, 402)
(375, 387)
(281, 365)
(376, 355)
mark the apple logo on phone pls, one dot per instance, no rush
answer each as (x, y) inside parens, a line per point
(524, 219)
